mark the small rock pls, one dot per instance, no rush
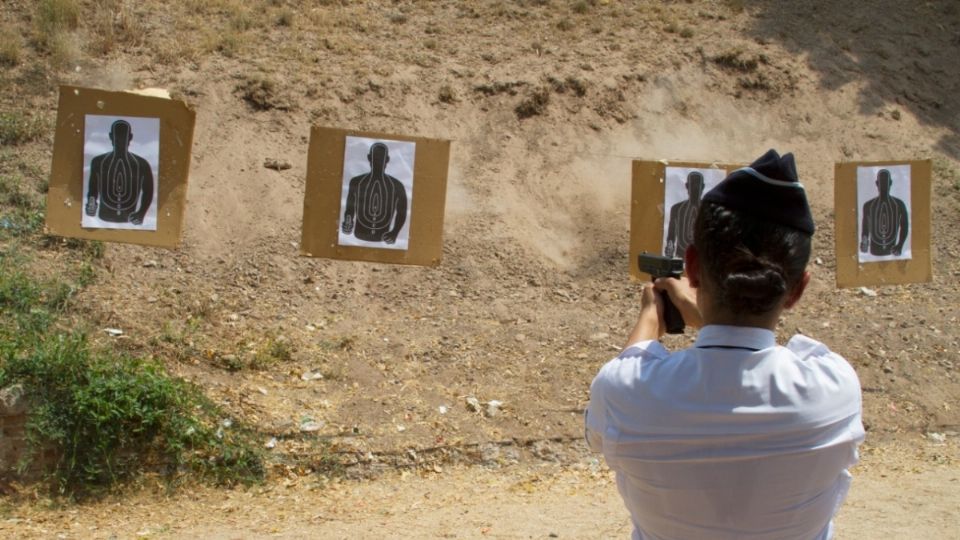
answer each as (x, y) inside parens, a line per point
(311, 376)
(262, 390)
(868, 292)
(493, 407)
(473, 404)
(13, 400)
(442, 409)
(115, 332)
(938, 438)
(489, 453)
(276, 164)
(818, 261)
(233, 317)
(599, 336)
(150, 264)
(271, 444)
(401, 429)
(519, 337)
(311, 426)
(226, 422)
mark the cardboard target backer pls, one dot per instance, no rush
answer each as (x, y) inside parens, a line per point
(374, 197)
(121, 162)
(664, 201)
(882, 222)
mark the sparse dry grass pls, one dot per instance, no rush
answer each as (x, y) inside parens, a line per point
(736, 6)
(54, 22)
(115, 25)
(262, 93)
(64, 49)
(56, 15)
(582, 7)
(737, 60)
(226, 42)
(534, 104)
(11, 47)
(285, 17)
(64, 30)
(447, 94)
(17, 127)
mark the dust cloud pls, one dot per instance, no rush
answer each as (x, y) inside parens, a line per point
(565, 201)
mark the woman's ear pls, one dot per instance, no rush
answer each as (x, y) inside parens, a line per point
(794, 295)
(691, 265)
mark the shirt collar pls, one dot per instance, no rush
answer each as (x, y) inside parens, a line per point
(747, 337)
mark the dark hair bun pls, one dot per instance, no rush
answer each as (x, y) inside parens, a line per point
(753, 285)
(752, 263)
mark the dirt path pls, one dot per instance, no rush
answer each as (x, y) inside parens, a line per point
(902, 489)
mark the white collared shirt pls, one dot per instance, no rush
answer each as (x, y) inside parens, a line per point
(733, 438)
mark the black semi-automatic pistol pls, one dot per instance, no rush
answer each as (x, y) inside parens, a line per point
(659, 266)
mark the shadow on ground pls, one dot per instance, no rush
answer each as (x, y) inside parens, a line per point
(906, 53)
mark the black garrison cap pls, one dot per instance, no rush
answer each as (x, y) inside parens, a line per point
(767, 189)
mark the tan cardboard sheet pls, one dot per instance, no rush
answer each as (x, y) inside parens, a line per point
(851, 270)
(322, 215)
(649, 216)
(65, 198)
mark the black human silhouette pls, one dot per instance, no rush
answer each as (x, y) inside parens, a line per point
(121, 182)
(376, 202)
(885, 221)
(682, 217)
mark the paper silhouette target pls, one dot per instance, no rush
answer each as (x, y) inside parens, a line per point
(121, 163)
(377, 193)
(682, 191)
(358, 202)
(883, 202)
(121, 169)
(882, 220)
(665, 200)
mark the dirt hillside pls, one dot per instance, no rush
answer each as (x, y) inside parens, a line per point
(546, 103)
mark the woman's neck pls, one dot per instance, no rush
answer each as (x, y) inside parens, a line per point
(712, 313)
(767, 320)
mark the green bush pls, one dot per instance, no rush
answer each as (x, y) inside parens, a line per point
(28, 306)
(106, 417)
(109, 417)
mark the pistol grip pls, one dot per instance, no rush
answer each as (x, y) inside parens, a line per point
(671, 315)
